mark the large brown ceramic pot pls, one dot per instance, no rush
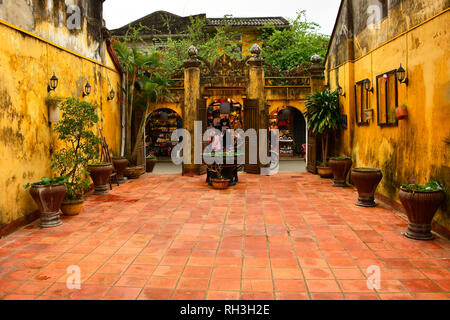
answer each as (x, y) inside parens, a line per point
(420, 207)
(120, 164)
(49, 200)
(366, 181)
(150, 164)
(325, 172)
(72, 208)
(341, 168)
(100, 175)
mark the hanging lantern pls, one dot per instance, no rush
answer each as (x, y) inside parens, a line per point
(284, 114)
(163, 116)
(225, 108)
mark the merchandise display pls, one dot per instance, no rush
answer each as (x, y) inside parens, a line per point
(159, 129)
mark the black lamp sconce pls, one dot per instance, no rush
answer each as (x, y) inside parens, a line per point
(340, 91)
(53, 83)
(111, 95)
(401, 75)
(367, 85)
(87, 90)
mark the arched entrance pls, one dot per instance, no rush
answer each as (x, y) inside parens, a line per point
(158, 132)
(293, 131)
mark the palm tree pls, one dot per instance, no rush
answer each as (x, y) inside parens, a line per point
(145, 83)
(324, 115)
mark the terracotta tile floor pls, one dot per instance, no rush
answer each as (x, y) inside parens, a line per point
(290, 236)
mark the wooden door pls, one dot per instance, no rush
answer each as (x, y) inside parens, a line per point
(311, 153)
(202, 116)
(251, 121)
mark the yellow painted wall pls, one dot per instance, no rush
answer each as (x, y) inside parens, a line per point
(418, 148)
(26, 138)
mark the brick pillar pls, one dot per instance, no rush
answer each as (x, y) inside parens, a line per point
(317, 74)
(191, 97)
(255, 90)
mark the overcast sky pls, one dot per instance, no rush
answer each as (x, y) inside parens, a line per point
(118, 13)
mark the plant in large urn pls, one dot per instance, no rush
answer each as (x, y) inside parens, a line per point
(324, 116)
(421, 203)
(48, 195)
(101, 173)
(150, 163)
(79, 147)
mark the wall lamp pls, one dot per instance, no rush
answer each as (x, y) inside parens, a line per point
(367, 85)
(401, 75)
(111, 95)
(340, 91)
(53, 83)
(87, 90)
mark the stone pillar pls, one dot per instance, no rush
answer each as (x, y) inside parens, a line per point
(191, 97)
(255, 90)
(317, 74)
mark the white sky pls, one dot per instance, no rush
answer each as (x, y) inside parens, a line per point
(118, 13)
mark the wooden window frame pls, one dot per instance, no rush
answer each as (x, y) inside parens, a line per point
(360, 104)
(387, 123)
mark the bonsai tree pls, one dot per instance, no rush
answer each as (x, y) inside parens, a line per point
(80, 146)
(324, 115)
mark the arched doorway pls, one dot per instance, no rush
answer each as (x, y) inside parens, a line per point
(158, 132)
(293, 131)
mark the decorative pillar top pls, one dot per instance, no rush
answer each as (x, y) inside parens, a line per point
(192, 60)
(256, 60)
(316, 68)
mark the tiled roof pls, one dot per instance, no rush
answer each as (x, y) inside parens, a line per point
(156, 23)
(248, 22)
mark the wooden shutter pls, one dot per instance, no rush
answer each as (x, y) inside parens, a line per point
(202, 116)
(311, 153)
(251, 121)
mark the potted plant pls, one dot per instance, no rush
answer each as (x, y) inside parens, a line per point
(48, 195)
(120, 164)
(79, 147)
(421, 203)
(150, 162)
(218, 180)
(324, 116)
(401, 112)
(340, 167)
(366, 181)
(100, 173)
(134, 172)
(324, 170)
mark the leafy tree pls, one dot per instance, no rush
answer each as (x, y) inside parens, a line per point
(324, 115)
(210, 44)
(146, 82)
(290, 47)
(80, 145)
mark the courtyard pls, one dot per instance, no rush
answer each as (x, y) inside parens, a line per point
(288, 237)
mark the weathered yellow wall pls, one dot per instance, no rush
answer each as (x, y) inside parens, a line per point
(26, 138)
(418, 148)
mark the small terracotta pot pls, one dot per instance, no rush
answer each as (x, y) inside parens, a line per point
(325, 172)
(100, 175)
(120, 164)
(220, 184)
(72, 208)
(150, 164)
(366, 181)
(401, 113)
(420, 207)
(340, 168)
(49, 200)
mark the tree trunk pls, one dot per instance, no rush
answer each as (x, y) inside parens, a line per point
(325, 137)
(139, 134)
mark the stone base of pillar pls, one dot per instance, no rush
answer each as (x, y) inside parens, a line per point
(193, 170)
